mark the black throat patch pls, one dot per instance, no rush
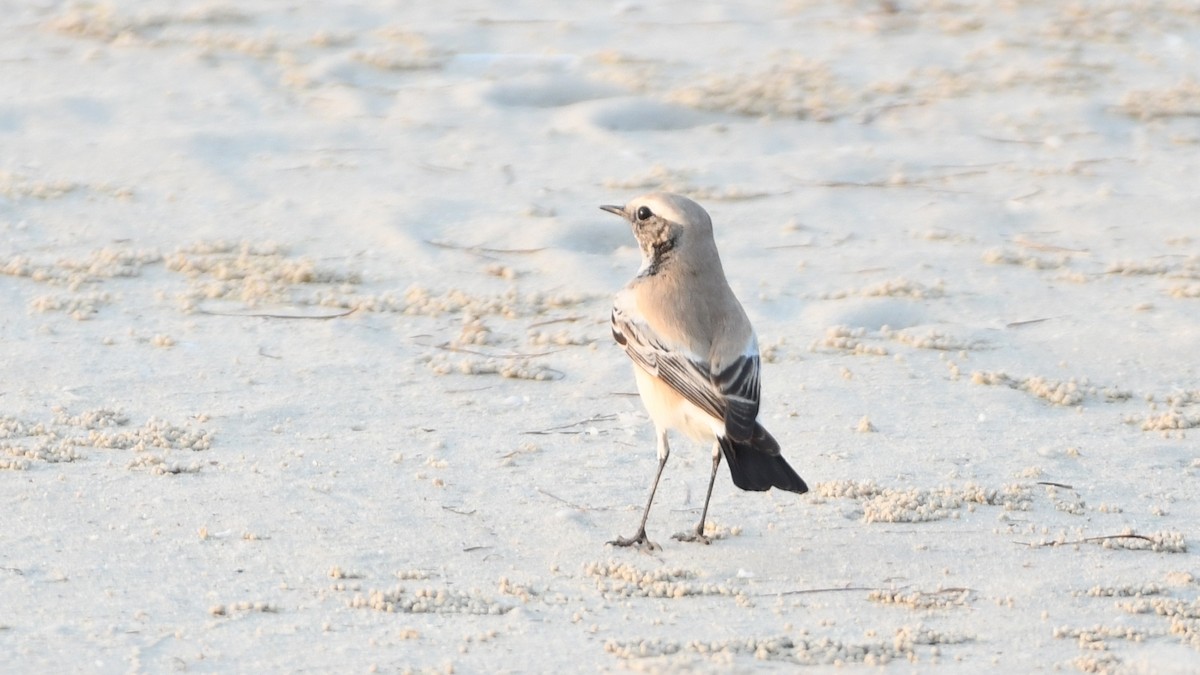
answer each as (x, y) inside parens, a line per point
(660, 253)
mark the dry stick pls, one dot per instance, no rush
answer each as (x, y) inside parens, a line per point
(451, 348)
(1025, 196)
(1027, 322)
(572, 504)
(836, 589)
(871, 115)
(1100, 160)
(1053, 484)
(956, 589)
(736, 197)
(918, 182)
(461, 350)
(960, 174)
(593, 418)
(465, 391)
(321, 317)
(547, 433)
(568, 319)
(1086, 540)
(1022, 141)
(974, 166)
(1038, 246)
(482, 249)
(851, 183)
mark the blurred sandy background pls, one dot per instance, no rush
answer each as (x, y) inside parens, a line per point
(306, 363)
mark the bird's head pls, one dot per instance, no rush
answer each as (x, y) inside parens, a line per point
(663, 222)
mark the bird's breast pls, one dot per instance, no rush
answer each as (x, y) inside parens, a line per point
(670, 410)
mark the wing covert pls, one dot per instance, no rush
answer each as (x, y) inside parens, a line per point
(731, 395)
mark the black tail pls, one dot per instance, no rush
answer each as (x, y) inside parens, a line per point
(756, 464)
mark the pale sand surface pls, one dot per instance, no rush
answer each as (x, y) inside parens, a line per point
(968, 237)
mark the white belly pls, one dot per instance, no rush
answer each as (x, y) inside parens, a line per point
(669, 410)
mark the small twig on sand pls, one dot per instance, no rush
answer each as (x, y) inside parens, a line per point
(917, 182)
(1057, 485)
(461, 513)
(810, 591)
(1049, 248)
(256, 315)
(566, 319)
(573, 505)
(559, 429)
(1086, 540)
(461, 350)
(466, 391)
(1026, 322)
(482, 249)
(1052, 248)
(1100, 160)
(1022, 141)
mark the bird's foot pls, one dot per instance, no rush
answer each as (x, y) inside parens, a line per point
(695, 536)
(639, 540)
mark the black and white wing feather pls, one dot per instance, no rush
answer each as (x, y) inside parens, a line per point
(739, 384)
(730, 395)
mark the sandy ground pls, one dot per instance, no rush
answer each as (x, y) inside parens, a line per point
(968, 238)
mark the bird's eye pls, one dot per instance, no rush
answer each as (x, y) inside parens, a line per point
(643, 213)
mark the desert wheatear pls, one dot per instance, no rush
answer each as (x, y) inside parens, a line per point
(695, 354)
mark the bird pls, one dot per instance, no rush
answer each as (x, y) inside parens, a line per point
(695, 355)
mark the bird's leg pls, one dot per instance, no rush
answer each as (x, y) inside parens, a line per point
(698, 534)
(640, 538)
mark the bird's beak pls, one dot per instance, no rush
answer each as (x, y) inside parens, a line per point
(619, 210)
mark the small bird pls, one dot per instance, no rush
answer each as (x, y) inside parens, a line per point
(694, 352)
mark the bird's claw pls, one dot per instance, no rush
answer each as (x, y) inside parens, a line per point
(639, 540)
(694, 537)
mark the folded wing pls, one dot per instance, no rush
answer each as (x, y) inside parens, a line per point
(730, 395)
